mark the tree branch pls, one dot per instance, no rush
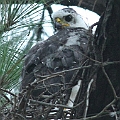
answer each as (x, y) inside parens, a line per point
(97, 6)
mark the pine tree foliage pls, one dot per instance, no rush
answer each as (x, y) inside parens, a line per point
(18, 26)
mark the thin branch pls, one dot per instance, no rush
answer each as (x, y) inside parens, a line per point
(8, 92)
(50, 104)
(110, 83)
(58, 73)
(87, 98)
(54, 105)
(115, 113)
(94, 5)
(79, 68)
(100, 114)
(19, 115)
(80, 2)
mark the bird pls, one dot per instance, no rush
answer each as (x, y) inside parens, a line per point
(68, 17)
(50, 67)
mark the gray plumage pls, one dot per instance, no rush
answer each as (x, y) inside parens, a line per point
(53, 55)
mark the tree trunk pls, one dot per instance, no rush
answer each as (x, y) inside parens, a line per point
(107, 45)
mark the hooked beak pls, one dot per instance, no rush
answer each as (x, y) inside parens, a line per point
(59, 24)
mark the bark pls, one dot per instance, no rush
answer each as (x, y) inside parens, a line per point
(107, 48)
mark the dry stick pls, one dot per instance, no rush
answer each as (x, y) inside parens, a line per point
(77, 68)
(50, 104)
(87, 98)
(73, 69)
(55, 105)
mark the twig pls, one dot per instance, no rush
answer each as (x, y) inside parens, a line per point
(58, 73)
(87, 98)
(99, 114)
(50, 104)
(79, 68)
(8, 92)
(54, 105)
(19, 115)
(80, 2)
(94, 4)
(109, 81)
(115, 113)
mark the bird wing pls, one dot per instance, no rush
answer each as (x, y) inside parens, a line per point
(61, 52)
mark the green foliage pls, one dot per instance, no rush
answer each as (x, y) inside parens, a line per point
(20, 27)
(16, 23)
(20, 21)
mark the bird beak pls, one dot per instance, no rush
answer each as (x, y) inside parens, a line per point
(60, 24)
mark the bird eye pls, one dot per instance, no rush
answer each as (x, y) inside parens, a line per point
(68, 18)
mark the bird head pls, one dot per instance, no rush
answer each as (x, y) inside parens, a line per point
(67, 17)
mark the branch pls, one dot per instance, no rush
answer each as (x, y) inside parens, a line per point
(99, 114)
(79, 68)
(8, 92)
(55, 105)
(110, 83)
(50, 104)
(87, 98)
(97, 6)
